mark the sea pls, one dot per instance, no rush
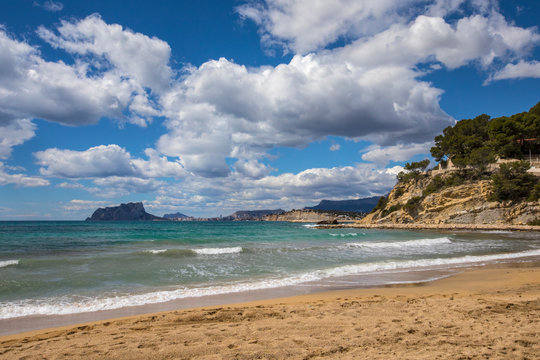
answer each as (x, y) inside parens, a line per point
(54, 268)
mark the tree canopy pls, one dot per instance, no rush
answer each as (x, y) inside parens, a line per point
(477, 142)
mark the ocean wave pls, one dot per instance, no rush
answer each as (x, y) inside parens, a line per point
(67, 305)
(218, 251)
(347, 234)
(159, 251)
(401, 244)
(8, 263)
(310, 226)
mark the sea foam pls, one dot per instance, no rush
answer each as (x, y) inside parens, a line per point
(401, 244)
(66, 305)
(218, 251)
(8, 263)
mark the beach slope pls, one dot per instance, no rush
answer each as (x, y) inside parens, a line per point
(487, 313)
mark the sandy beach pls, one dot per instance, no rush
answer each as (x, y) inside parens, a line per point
(483, 313)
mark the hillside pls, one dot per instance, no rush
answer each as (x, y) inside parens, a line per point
(468, 203)
(360, 205)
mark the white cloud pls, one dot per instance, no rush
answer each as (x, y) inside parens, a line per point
(53, 6)
(211, 197)
(115, 186)
(14, 132)
(223, 109)
(335, 147)
(105, 161)
(252, 168)
(20, 179)
(401, 152)
(133, 54)
(522, 69)
(307, 25)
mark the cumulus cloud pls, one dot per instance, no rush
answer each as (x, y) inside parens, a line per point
(20, 180)
(116, 186)
(402, 152)
(133, 54)
(223, 109)
(105, 161)
(368, 89)
(78, 205)
(522, 69)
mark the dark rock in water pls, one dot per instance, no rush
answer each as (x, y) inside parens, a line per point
(129, 211)
(328, 222)
(175, 216)
(360, 205)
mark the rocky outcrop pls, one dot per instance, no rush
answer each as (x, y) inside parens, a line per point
(129, 211)
(464, 204)
(311, 216)
(360, 205)
(254, 215)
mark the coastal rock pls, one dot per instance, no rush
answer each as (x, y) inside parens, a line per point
(129, 211)
(313, 216)
(253, 215)
(467, 203)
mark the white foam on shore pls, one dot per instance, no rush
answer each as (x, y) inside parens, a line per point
(218, 251)
(402, 244)
(67, 305)
(346, 234)
(310, 226)
(8, 263)
(160, 251)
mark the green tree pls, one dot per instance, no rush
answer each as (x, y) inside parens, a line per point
(513, 182)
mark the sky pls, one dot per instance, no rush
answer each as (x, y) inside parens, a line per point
(212, 106)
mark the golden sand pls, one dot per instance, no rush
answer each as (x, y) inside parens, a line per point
(491, 313)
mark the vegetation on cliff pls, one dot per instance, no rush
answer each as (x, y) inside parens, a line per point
(475, 191)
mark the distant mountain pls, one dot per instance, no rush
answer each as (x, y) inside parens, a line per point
(175, 216)
(129, 211)
(251, 214)
(360, 205)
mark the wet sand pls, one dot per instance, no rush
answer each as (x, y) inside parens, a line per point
(487, 313)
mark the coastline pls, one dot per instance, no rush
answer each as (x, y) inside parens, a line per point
(416, 226)
(490, 311)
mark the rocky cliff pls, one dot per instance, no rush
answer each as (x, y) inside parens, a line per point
(129, 211)
(467, 203)
(311, 216)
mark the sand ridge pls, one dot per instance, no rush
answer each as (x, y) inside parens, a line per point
(481, 314)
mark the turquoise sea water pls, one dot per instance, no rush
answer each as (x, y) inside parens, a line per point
(72, 267)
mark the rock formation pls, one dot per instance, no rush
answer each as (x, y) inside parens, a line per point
(129, 211)
(312, 216)
(467, 203)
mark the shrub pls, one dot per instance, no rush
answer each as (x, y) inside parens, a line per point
(513, 182)
(535, 193)
(381, 204)
(390, 210)
(435, 185)
(534, 222)
(413, 204)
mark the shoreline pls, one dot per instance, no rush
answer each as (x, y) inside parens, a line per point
(375, 322)
(415, 226)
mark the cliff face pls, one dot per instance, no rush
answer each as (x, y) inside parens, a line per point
(252, 214)
(129, 211)
(463, 204)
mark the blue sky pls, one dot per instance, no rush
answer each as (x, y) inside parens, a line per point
(208, 107)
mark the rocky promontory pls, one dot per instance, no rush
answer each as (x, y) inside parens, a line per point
(129, 211)
(469, 203)
(313, 216)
